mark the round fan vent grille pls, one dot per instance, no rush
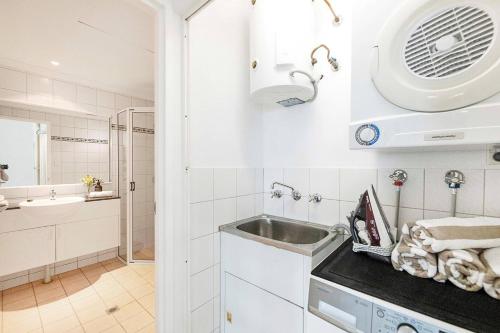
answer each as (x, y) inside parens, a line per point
(449, 42)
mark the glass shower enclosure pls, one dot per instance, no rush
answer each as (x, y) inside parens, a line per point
(133, 137)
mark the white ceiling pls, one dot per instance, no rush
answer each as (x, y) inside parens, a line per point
(105, 43)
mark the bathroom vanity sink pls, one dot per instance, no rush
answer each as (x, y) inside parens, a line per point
(56, 208)
(293, 233)
(288, 234)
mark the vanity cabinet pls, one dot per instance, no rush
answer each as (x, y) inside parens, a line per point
(250, 309)
(26, 249)
(28, 241)
(84, 237)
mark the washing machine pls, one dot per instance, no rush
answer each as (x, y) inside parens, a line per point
(352, 292)
(334, 309)
(425, 73)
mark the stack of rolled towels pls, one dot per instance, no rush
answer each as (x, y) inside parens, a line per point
(464, 251)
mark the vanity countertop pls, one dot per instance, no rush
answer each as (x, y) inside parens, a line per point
(16, 206)
(475, 311)
(100, 199)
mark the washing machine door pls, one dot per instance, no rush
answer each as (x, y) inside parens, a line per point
(434, 56)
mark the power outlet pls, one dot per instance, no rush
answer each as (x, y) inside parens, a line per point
(493, 155)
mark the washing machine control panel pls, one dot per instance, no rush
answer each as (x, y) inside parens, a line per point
(389, 321)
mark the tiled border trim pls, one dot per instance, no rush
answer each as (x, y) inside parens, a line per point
(134, 129)
(81, 140)
(143, 130)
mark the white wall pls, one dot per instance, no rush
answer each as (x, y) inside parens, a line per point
(224, 126)
(227, 130)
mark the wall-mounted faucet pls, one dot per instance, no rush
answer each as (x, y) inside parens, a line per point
(277, 193)
(52, 194)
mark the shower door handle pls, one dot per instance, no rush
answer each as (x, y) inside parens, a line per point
(132, 186)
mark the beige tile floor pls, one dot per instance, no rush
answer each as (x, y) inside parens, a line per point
(105, 297)
(146, 253)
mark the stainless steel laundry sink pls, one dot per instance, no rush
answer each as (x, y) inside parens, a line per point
(292, 235)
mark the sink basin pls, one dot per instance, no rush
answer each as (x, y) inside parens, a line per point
(292, 233)
(57, 208)
(287, 234)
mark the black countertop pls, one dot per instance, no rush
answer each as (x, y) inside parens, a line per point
(475, 311)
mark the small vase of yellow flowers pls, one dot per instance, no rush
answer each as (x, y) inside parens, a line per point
(88, 181)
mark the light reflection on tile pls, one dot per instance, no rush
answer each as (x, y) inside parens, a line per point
(80, 301)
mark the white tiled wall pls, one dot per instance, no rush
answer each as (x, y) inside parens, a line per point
(424, 195)
(70, 161)
(217, 197)
(24, 87)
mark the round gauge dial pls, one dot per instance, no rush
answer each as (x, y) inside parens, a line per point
(367, 134)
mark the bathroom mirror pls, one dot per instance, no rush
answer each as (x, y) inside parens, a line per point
(23, 152)
(48, 149)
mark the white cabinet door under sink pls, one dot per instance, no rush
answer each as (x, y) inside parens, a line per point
(25, 249)
(249, 309)
(81, 238)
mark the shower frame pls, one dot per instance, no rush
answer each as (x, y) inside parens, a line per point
(130, 183)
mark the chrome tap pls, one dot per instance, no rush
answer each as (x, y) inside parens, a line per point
(295, 194)
(52, 194)
(276, 194)
(316, 198)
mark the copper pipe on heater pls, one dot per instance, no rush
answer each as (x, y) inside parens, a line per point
(314, 61)
(336, 18)
(333, 62)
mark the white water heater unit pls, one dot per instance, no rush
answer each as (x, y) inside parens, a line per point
(425, 73)
(281, 40)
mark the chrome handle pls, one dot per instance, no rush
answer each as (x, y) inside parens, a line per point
(454, 179)
(296, 195)
(276, 194)
(316, 198)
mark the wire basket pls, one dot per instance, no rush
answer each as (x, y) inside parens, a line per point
(377, 250)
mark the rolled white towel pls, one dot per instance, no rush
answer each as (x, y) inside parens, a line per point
(491, 258)
(453, 233)
(103, 194)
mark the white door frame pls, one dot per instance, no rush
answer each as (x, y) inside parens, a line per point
(172, 315)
